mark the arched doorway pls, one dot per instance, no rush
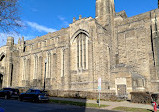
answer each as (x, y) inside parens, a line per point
(1, 80)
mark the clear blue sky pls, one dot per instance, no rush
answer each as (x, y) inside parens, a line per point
(43, 16)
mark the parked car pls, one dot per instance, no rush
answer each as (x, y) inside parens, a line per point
(9, 93)
(34, 95)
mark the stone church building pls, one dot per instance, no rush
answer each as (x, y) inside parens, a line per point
(122, 51)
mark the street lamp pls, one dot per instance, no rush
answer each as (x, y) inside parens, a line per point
(45, 73)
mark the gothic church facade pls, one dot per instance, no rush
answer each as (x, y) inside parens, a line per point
(122, 51)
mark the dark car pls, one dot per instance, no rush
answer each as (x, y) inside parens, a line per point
(34, 95)
(9, 93)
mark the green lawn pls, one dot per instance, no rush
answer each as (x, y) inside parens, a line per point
(77, 103)
(129, 109)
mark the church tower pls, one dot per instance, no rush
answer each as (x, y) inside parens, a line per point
(105, 11)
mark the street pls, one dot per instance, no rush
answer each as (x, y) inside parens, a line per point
(18, 106)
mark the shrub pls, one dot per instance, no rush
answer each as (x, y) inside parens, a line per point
(141, 97)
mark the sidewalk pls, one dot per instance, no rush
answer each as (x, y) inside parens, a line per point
(110, 103)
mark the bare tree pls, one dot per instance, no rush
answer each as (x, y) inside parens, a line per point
(9, 16)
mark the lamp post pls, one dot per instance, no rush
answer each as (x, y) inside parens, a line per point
(45, 73)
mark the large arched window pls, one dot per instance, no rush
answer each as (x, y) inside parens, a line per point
(48, 65)
(40, 68)
(35, 67)
(28, 69)
(82, 50)
(24, 70)
(54, 64)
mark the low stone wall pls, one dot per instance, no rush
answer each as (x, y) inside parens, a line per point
(81, 94)
(78, 94)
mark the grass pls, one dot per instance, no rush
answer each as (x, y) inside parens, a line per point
(118, 100)
(129, 109)
(82, 104)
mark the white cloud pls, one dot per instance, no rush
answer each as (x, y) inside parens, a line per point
(61, 18)
(40, 28)
(4, 36)
(65, 23)
(3, 39)
(27, 36)
(21, 23)
(34, 10)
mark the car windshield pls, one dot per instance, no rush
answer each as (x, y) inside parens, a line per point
(33, 91)
(37, 91)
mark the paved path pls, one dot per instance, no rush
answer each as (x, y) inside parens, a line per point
(110, 103)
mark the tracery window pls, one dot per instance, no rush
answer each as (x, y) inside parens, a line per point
(40, 68)
(24, 70)
(63, 62)
(48, 65)
(82, 50)
(54, 63)
(35, 66)
(28, 70)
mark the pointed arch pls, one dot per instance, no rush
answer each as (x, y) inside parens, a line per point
(77, 33)
(79, 47)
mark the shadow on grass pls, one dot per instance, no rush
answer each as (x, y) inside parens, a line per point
(76, 102)
(70, 105)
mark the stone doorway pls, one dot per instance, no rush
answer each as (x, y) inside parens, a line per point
(1, 80)
(121, 90)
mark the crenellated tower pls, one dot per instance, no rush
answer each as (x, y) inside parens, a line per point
(105, 11)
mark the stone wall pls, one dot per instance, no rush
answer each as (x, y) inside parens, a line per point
(81, 94)
(108, 41)
(135, 42)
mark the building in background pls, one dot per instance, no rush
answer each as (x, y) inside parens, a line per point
(122, 51)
